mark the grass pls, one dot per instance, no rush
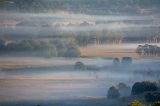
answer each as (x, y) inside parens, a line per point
(108, 51)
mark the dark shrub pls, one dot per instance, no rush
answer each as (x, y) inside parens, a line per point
(141, 87)
(79, 65)
(126, 60)
(116, 62)
(113, 93)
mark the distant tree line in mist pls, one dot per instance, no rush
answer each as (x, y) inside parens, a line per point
(148, 50)
(49, 48)
(82, 6)
(84, 39)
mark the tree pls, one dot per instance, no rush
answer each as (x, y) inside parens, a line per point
(148, 50)
(72, 51)
(141, 87)
(52, 51)
(113, 93)
(61, 47)
(124, 90)
(126, 60)
(82, 40)
(24, 45)
(116, 62)
(2, 45)
(136, 103)
(139, 50)
(79, 65)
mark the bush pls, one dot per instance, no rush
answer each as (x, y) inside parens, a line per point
(79, 65)
(113, 93)
(116, 62)
(136, 103)
(141, 87)
(126, 60)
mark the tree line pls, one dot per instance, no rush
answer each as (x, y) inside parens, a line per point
(50, 48)
(98, 37)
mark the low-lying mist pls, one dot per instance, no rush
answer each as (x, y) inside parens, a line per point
(65, 82)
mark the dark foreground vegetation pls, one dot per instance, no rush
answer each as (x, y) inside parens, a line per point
(145, 93)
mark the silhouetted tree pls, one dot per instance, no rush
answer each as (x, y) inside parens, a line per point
(141, 87)
(148, 50)
(113, 93)
(2, 45)
(126, 60)
(79, 65)
(116, 62)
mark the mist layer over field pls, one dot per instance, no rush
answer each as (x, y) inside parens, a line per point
(63, 82)
(73, 50)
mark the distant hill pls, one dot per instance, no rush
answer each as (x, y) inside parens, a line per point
(83, 6)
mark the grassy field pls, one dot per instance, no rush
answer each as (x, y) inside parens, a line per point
(109, 50)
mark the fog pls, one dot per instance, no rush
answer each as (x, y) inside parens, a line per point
(64, 82)
(73, 52)
(44, 24)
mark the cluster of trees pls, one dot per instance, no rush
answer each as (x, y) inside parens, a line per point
(121, 89)
(51, 48)
(124, 61)
(148, 50)
(149, 90)
(81, 66)
(97, 38)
